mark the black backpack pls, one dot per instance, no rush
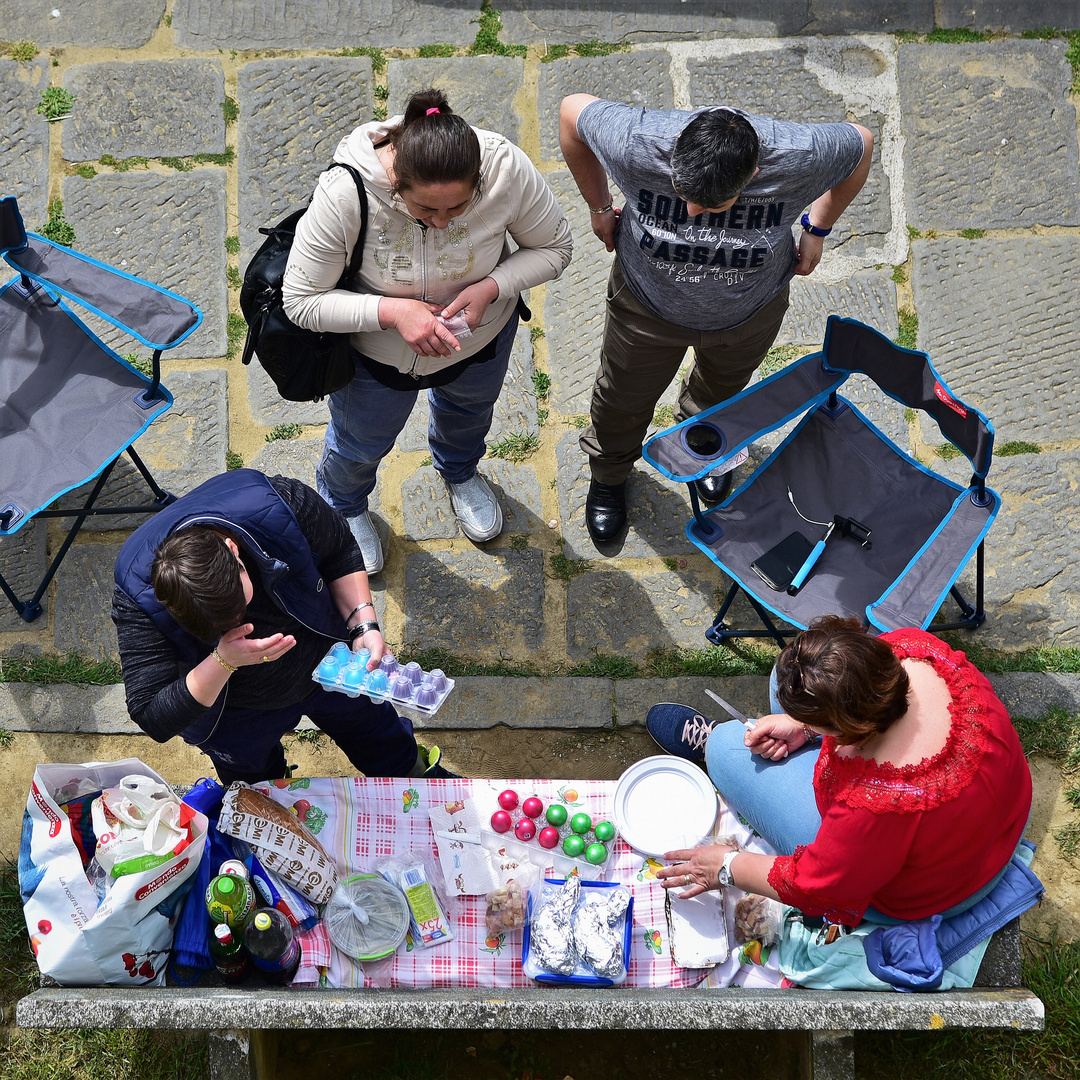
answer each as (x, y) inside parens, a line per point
(305, 365)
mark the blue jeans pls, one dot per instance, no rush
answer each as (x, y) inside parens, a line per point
(366, 417)
(776, 798)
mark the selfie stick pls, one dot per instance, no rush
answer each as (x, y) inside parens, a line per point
(811, 559)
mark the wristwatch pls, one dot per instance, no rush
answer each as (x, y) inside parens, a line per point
(724, 876)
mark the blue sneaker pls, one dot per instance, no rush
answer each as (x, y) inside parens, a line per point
(679, 730)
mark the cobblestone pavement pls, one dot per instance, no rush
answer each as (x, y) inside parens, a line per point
(970, 220)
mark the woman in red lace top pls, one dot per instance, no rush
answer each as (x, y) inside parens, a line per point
(914, 804)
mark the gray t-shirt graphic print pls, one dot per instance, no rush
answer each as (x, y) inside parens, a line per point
(713, 271)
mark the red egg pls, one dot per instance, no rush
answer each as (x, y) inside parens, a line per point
(501, 821)
(508, 799)
(532, 807)
(548, 837)
(525, 830)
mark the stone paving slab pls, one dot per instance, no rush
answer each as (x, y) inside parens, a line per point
(658, 508)
(64, 709)
(115, 24)
(617, 614)
(168, 229)
(153, 108)
(515, 409)
(486, 701)
(322, 24)
(182, 448)
(574, 307)
(23, 560)
(1032, 575)
(571, 21)
(975, 119)
(638, 78)
(24, 138)
(480, 88)
(428, 515)
(1002, 14)
(83, 601)
(269, 408)
(294, 113)
(634, 697)
(476, 602)
(866, 295)
(997, 318)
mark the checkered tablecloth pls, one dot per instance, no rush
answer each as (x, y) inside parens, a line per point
(360, 820)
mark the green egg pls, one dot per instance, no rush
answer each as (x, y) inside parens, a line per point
(573, 846)
(605, 831)
(596, 854)
(556, 814)
(581, 823)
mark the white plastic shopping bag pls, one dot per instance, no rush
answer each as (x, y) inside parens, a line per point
(115, 930)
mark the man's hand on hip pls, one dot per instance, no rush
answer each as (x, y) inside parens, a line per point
(810, 248)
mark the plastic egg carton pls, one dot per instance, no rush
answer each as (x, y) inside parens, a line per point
(406, 686)
(542, 858)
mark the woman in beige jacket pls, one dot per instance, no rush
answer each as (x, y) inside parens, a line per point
(435, 303)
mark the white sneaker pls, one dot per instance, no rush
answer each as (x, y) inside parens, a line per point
(476, 508)
(363, 529)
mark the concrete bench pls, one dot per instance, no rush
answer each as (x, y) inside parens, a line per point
(243, 1022)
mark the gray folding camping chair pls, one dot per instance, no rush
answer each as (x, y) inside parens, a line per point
(882, 537)
(69, 405)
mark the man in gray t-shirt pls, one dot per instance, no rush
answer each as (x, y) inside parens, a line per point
(704, 253)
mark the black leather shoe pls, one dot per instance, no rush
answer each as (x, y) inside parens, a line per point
(605, 511)
(714, 489)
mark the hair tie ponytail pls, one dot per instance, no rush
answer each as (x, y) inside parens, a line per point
(430, 111)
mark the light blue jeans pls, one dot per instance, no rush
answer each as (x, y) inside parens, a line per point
(366, 417)
(776, 798)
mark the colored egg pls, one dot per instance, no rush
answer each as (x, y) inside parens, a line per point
(413, 672)
(353, 676)
(438, 679)
(508, 799)
(548, 838)
(388, 663)
(532, 807)
(605, 831)
(426, 696)
(401, 688)
(596, 854)
(525, 830)
(556, 814)
(573, 846)
(377, 682)
(501, 821)
(362, 656)
(340, 652)
(581, 823)
(328, 669)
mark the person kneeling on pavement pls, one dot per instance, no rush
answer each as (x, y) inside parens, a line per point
(225, 602)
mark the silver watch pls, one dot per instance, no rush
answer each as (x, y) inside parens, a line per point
(724, 876)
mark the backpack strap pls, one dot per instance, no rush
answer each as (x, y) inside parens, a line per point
(353, 266)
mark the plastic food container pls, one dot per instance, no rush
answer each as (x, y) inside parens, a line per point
(409, 689)
(582, 975)
(366, 917)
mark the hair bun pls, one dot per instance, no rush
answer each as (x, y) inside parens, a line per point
(425, 103)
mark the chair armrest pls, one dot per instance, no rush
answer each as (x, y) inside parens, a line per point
(915, 596)
(756, 411)
(158, 318)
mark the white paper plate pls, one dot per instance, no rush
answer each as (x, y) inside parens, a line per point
(663, 803)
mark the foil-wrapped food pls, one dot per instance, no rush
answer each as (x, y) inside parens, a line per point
(552, 930)
(597, 925)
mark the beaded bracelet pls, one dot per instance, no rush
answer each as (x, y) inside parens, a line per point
(809, 732)
(224, 663)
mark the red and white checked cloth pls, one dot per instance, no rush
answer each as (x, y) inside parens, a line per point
(359, 820)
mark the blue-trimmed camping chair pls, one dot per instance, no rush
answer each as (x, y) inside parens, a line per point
(887, 538)
(69, 405)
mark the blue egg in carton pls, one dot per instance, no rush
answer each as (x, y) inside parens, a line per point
(407, 687)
